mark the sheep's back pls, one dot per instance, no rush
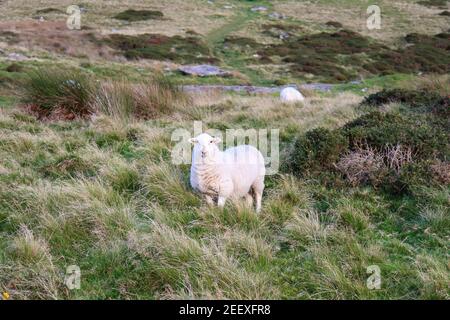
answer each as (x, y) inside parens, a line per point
(244, 164)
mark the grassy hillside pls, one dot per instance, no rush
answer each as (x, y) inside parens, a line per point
(102, 194)
(86, 176)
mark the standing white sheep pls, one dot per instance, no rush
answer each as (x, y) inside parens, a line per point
(290, 94)
(234, 173)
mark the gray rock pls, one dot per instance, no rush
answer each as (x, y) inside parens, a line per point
(16, 57)
(259, 9)
(237, 88)
(284, 35)
(257, 89)
(203, 70)
(276, 15)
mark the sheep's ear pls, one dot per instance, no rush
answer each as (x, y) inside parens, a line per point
(217, 140)
(193, 140)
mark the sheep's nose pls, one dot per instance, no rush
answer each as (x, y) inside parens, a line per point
(203, 153)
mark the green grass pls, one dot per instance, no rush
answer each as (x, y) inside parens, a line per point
(380, 82)
(101, 192)
(103, 195)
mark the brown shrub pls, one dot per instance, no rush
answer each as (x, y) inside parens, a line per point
(397, 156)
(364, 165)
(368, 165)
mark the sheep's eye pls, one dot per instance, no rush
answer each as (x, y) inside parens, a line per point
(211, 141)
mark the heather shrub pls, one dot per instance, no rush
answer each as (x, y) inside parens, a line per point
(379, 129)
(318, 149)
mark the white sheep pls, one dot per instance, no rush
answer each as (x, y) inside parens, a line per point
(290, 94)
(234, 173)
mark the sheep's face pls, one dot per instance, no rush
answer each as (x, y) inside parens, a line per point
(205, 146)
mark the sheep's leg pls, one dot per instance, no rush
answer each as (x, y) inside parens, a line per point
(249, 200)
(258, 197)
(225, 190)
(221, 201)
(209, 200)
(258, 188)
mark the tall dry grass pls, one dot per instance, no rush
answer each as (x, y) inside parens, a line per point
(62, 90)
(145, 100)
(54, 88)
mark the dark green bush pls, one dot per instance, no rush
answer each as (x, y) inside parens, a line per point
(413, 175)
(317, 150)
(334, 24)
(395, 152)
(137, 15)
(14, 67)
(434, 3)
(414, 98)
(377, 130)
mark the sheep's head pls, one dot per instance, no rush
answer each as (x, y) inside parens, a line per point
(205, 147)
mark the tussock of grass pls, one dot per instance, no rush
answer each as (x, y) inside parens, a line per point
(247, 245)
(28, 249)
(439, 84)
(50, 89)
(192, 270)
(35, 276)
(433, 275)
(236, 215)
(165, 184)
(305, 228)
(146, 100)
(65, 94)
(437, 219)
(114, 99)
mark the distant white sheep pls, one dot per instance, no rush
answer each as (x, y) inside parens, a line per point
(290, 94)
(234, 173)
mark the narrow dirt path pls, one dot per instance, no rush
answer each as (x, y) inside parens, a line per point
(236, 23)
(242, 17)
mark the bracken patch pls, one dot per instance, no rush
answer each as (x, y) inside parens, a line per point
(179, 49)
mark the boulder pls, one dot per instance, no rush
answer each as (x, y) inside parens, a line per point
(16, 57)
(276, 15)
(203, 70)
(290, 94)
(259, 9)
